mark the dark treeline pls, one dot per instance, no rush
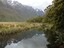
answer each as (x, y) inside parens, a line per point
(38, 19)
(55, 15)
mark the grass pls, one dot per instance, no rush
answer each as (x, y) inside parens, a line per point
(16, 27)
(13, 27)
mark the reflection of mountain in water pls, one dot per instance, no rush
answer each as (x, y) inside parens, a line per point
(17, 37)
(37, 41)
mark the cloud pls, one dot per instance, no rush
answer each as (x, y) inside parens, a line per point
(37, 41)
(41, 4)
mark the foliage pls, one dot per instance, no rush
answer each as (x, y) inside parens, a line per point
(38, 19)
(54, 14)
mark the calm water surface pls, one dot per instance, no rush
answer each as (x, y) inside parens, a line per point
(27, 39)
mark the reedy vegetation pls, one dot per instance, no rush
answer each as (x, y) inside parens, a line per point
(12, 27)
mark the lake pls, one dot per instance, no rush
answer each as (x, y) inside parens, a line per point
(26, 39)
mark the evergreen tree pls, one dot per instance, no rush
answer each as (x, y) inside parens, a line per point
(55, 13)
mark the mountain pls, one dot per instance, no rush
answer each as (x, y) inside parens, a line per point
(16, 11)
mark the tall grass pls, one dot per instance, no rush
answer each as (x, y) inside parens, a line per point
(13, 27)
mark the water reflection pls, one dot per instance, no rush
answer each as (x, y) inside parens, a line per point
(37, 41)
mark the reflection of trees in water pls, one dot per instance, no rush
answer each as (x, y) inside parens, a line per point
(55, 39)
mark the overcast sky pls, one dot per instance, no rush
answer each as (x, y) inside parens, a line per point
(40, 4)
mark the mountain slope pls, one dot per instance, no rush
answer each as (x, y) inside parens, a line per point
(16, 11)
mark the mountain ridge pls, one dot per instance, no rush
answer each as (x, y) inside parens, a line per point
(16, 11)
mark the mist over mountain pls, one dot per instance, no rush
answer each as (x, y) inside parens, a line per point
(15, 11)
